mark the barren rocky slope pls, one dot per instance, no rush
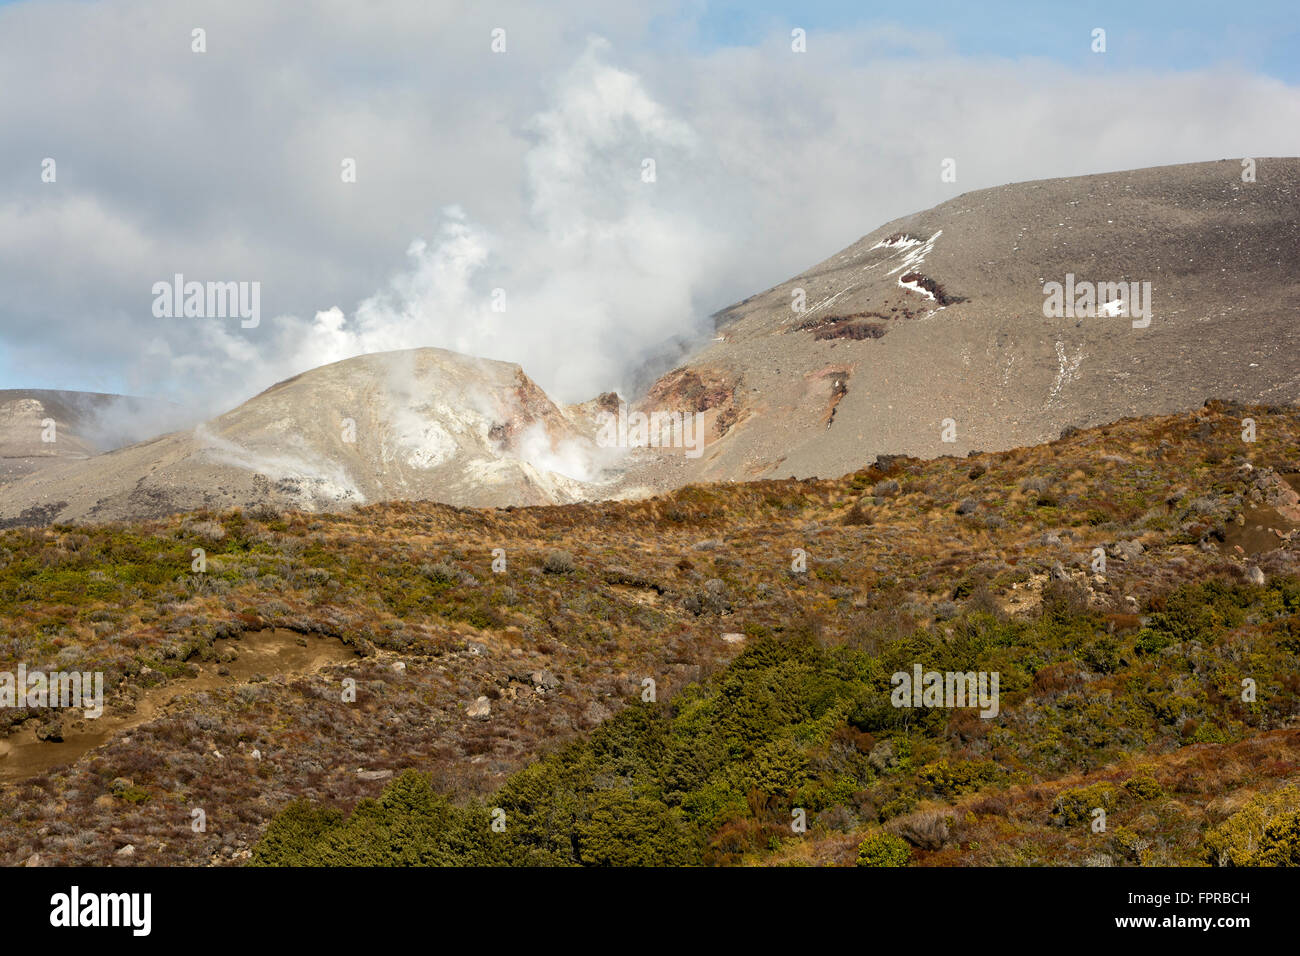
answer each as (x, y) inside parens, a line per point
(84, 424)
(424, 423)
(939, 315)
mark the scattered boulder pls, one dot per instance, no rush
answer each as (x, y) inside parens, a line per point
(1126, 550)
(713, 598)
(481, 709)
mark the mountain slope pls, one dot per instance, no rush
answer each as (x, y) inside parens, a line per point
(940, 315)
(84, 424)
(424, 423)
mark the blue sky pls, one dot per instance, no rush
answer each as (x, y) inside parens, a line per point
(1259, 37)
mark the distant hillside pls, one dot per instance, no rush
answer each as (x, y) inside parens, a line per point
(424, 423)
(940, 316)
(84, 424)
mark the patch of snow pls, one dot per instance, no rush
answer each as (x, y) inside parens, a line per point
(917, 287)
(916, 253)
(821, 305)
(902, 242)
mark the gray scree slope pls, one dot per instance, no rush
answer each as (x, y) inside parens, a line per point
(817, 393)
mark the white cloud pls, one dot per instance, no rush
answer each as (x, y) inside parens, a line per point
(519, 171)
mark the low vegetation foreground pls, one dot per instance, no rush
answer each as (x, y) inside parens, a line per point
(719, 675)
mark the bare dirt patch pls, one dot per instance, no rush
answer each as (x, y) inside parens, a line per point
(257, 654)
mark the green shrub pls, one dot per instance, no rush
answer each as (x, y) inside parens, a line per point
(711, 775)
(1151, 640)
(1144, 787)
(1074, 807)
(624, 831)
(1209, 733)
(884, 849)
(1265, 832)
(291, 838)
(957, 778)
(1280, 843)
(443, 572)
